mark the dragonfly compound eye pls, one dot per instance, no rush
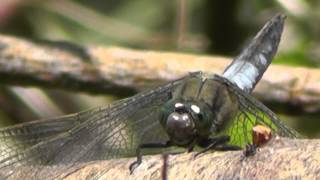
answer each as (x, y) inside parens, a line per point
(197, 111)
(180, 127)
(180, 108)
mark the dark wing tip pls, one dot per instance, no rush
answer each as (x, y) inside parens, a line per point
(280, 17)
(276, 21)
(271, 31)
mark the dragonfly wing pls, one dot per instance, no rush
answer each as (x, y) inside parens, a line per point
(107, 132)
(252, 112)
(22, 136)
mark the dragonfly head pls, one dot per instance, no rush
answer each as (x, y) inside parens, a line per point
(182, 119)
(180, 125)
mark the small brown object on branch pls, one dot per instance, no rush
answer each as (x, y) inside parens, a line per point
(261, 135)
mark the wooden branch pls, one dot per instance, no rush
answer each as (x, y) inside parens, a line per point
(280, 159)
(113, 70)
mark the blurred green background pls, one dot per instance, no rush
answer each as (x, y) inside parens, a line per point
(211, 27)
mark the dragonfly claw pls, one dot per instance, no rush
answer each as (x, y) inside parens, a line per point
(133, 166)
(250, 150)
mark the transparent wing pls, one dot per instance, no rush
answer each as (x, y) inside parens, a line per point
(102, 133)
(22, 136)
(252, 112)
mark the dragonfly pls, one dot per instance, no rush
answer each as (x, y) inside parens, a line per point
(198, 110)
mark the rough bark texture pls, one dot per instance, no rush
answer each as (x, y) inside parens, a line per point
(280, 159)
(113, 70)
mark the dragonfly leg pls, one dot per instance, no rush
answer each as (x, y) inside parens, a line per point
(218, 143)
(250, 150)
(226, 147)
(135, 164)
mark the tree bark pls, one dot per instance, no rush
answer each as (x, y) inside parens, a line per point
(114, 70)
(280, 159)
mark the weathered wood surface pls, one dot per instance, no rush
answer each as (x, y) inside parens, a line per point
(279, 159)
(98, 69)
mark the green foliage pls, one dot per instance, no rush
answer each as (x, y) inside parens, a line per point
(294, 58)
